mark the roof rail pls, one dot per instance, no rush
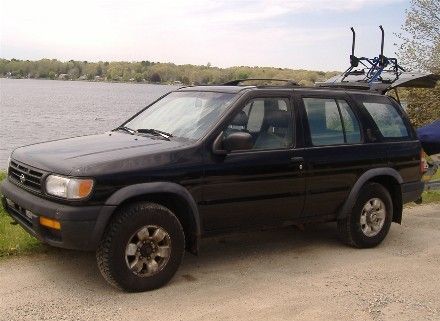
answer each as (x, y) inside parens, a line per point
(345, 85)
(237, 82)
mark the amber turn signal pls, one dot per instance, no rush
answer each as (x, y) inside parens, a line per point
(85, 188)
(50, 223)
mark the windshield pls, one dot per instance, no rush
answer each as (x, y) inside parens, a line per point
(183, 114)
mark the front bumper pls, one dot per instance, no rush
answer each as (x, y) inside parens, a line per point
(81, 226)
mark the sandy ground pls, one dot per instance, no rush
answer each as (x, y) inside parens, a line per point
(271, 275)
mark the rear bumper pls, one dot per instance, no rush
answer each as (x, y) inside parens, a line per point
(81, 226)
(412, 191)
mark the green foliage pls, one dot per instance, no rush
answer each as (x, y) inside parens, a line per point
(431, 197)
(14, 240)
(155, 77)
(149, 71)
(423, 105)
(420, 50)
(138, 77)
(436, 176)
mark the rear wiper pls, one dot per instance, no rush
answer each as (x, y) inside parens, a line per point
(155, 132)
(126, 129)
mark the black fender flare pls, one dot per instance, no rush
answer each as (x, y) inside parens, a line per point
(128, 192)
(369, 174)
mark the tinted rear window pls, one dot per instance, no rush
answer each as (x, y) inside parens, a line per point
(388, 120)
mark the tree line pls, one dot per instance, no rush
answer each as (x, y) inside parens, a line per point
(151, 72)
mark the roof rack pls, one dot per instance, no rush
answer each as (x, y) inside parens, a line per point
(237, 82)
(378, 73)
(373, 69)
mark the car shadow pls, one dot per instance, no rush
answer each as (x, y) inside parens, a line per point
(226, 258)
(215, 253)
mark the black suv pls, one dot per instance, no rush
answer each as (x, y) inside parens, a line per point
(206, 160)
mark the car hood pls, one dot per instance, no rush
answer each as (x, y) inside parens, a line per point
(85, 155)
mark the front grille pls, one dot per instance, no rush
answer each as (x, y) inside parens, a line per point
(25, 176)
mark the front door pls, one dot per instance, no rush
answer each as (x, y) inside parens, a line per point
(261, 186)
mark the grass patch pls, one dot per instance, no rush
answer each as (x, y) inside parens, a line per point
(431, 196)
(436, 176)
(13, 238)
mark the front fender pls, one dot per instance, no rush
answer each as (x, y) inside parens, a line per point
(128, 192)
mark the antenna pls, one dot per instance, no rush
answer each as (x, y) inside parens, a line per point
(354, 61)
(382, 57)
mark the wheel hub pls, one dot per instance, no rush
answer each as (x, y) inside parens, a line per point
(373, 217)
(148, 250)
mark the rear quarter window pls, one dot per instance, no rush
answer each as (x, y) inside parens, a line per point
(388, 120)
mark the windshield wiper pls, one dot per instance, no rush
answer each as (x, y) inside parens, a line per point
(126, 129)
(155, 132)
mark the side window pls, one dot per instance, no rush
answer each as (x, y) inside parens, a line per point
(387, 119)
(331, 122)
(351, 125)
(256, 115)
(268, 120)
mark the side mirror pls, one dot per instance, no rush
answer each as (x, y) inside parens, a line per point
(232, 142)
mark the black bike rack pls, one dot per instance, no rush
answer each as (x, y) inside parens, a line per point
(372, 69)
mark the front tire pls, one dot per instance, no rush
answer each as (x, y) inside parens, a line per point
(370, 220)
(142, 248)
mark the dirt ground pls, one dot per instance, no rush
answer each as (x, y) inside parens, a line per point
(282, 274)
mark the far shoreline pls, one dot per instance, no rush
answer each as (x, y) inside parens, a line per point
(98, 81)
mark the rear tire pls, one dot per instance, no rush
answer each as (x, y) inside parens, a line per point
(370, 220)
(142, 248)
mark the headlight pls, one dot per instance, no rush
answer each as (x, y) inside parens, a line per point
(70, 188)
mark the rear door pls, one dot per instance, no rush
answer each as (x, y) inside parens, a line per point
(337, 149)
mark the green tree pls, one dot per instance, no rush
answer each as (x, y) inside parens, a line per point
(138, 77)
(155, 78)
(420, 50)
(99, 70)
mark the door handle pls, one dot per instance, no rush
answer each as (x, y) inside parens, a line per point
(299, 160)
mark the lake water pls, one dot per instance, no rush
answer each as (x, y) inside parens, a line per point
(38, 110)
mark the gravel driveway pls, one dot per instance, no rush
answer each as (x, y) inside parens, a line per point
(282, 274)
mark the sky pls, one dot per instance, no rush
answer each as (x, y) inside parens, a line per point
(297, 34)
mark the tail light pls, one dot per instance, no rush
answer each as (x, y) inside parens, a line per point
(423, 162)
